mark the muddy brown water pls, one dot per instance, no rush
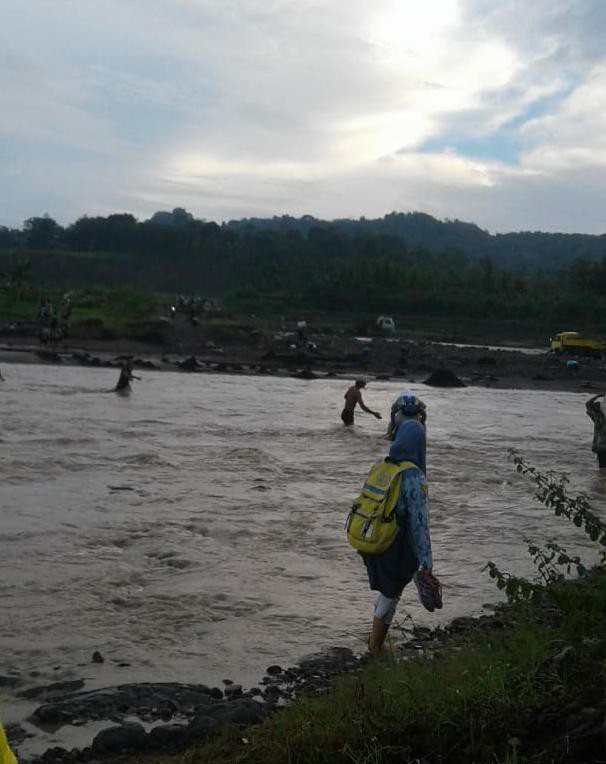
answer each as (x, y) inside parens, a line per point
(193, 531)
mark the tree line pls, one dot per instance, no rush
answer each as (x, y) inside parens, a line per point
(281, 269)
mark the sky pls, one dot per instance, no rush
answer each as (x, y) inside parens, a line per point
(489, 112)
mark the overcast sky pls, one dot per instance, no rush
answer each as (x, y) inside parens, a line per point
(488, 111)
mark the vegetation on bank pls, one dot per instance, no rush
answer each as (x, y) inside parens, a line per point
(317, 269)
(113, 308)
(526, 686)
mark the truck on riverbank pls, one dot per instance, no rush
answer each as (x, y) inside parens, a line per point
(574, 343)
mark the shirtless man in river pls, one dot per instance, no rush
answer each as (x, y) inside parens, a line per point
(353, 397)
(126, 375)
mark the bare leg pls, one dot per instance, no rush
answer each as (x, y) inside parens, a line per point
(376, 641)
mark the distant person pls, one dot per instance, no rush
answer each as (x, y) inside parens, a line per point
(353, 397)
(126, 376)
(597, 414)
(301, 332)
(409, 556)
(405, 406)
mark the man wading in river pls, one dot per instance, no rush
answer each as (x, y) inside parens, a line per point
(353, 397)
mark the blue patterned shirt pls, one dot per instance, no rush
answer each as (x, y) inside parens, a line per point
(413, 513)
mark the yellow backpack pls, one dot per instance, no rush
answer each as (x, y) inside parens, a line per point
(6, 755)
(371, 524)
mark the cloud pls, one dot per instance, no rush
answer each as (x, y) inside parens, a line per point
(334, 107)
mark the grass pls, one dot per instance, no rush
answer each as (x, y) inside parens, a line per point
(115, 307)
(475, 701)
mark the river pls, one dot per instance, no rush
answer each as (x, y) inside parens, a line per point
(194, 530)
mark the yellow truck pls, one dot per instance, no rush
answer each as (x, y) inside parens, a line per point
(574, 343)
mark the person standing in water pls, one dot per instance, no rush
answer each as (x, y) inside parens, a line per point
(409, 556)
(405, 403)
(126, 376)
(353, 397)
(596, 412)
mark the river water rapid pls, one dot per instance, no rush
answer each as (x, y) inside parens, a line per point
(193, 531)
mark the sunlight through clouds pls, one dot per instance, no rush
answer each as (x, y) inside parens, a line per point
(303, 106)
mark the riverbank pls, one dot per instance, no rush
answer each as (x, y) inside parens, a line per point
(323, 355)
(525, 683)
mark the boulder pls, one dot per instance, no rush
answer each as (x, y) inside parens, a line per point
(444, 378)
(124, 737)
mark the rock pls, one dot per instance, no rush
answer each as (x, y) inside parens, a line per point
(331, 660)
(463, 623)
(51, 715)
(189, 364)
(125, 737)
(233, 690)
(97, 657)
(444, 378)
(200, 728)
(273, 670)
(16, 734)
(168, 735)
(240, 711)
(53, 689)
(272, 693)
(8, 681)
(305, 374)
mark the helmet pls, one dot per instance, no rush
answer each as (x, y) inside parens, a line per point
(407, 404)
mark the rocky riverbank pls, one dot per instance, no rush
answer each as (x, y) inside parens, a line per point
(150, 716)
(565, 723)
(247, 351)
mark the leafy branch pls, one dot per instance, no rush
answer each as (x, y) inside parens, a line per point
(554, 561)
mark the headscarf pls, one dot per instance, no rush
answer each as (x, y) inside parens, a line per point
(409, 444)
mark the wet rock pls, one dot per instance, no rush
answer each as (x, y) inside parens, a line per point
(464, 623)
(16, 734)
(272, 693)
(305, 374)
(51, 715)
(422, 632)
(49, 356)
(189, 364)
(8, 680)
(444, 378)
(274, 670)
(331, 660)
(97, 657)
(240, 711)
(217, 693)
(201, 727)
(55, 754)
(125, 737)
(168, 735)
(233, 691)
(51, 690)
(152, 700)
